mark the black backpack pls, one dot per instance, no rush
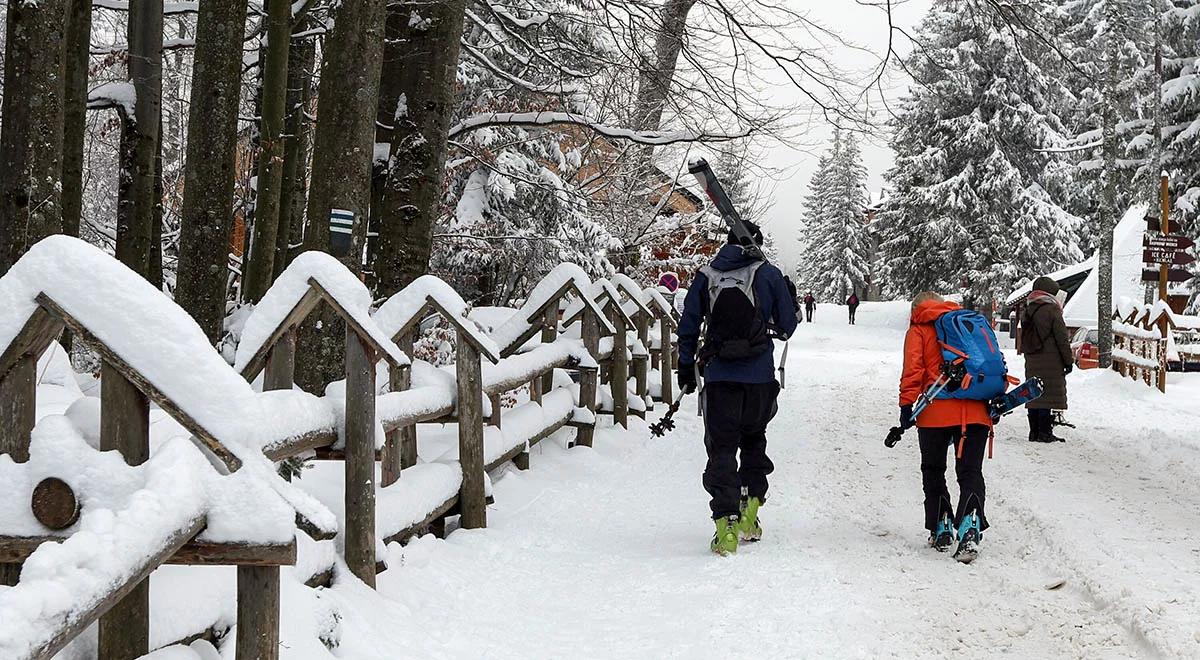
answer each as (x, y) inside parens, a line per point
(734, 327)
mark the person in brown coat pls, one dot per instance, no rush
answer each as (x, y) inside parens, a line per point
(1047, 351)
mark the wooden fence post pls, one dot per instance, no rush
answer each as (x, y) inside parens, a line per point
(125, 427)
(257, 612)
(549, 334)
(472, 500)
(588, 378)
(18, 399)
(641, 367)
(258, 586)
(360, 458)
(620, 371)
(392, 460)
(664, 360)
(588, 384)
(497, 408)
(408, 434)
(281, 363)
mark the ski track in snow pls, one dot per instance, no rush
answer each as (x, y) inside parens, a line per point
(603, 553)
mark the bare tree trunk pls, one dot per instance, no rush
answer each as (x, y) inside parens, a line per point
(260, 264)
(421, 62)
(343, 149)
(1109, 202)
(207, 214)
(75, 92)
(139, 138)
(656, 76)
(297, 129)
(31, 140)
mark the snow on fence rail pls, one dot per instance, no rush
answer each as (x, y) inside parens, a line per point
(1140, 347)
(239, 511)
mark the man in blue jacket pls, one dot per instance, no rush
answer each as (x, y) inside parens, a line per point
(739, 302)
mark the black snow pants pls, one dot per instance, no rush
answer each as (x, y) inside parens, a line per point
(969, 469)
(735, 418)
(853, 309)
(808, 313)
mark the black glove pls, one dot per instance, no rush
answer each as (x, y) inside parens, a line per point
(686, 377)
(1068, 369)
(906, 419)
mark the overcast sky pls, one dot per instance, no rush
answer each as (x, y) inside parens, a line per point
(867, 27)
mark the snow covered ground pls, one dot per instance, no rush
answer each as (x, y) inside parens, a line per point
(598, 554)
(602, 553)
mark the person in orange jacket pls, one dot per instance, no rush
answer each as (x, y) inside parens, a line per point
(962, 424)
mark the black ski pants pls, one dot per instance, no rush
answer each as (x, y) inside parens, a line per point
(735, 418)
(935, 443)
(853, 309)
(808, 313)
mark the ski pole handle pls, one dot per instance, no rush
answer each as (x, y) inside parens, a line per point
(893, 437)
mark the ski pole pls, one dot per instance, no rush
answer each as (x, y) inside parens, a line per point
(667, 423)
(927, 397)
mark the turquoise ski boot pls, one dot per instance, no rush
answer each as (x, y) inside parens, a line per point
(750, 529)
(943, 537)
(969, 536)
(725, 541)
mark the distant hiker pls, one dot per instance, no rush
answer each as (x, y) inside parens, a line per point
(810, 304)
(1048, 356)
(963, 424)
(739, 301)
(852, 303)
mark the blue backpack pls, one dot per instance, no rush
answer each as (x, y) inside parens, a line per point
(968, 343)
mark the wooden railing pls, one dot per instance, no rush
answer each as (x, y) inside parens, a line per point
(617, 318)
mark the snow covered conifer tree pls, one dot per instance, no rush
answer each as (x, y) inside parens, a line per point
(977, 202)
(838, 255)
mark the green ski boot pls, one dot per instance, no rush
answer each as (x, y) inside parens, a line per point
(725, 541)
(750, 530)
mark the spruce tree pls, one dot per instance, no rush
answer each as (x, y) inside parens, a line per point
(838, 255)
(978, 190)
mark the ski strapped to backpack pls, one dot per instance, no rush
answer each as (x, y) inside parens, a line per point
(735, 328)
(973, 368)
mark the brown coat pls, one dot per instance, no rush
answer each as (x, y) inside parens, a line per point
(1047, 351)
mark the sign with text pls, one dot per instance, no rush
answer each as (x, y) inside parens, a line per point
(1173, 275)
(1167, 257)
(1167, 242)
(1155, 225)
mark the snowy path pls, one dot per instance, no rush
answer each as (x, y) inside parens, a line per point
(604, 554)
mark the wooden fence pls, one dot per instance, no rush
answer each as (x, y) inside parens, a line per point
(596, 336)
(1140, 348)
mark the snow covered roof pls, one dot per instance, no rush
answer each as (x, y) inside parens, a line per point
(1080, 268)
(310, 278)
(565, 278)
(1080, 310)
(430, 294)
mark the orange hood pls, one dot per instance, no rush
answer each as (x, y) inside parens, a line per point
(930, 310)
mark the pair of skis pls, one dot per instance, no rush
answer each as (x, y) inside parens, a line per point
(998, 407)
(702, 171)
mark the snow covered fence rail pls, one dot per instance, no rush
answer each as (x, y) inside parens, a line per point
(1140, 348)
(128, 513)
(153, 353)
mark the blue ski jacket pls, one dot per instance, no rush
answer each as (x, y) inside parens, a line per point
(773, 299)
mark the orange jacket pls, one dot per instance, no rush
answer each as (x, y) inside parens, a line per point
(923, 365)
